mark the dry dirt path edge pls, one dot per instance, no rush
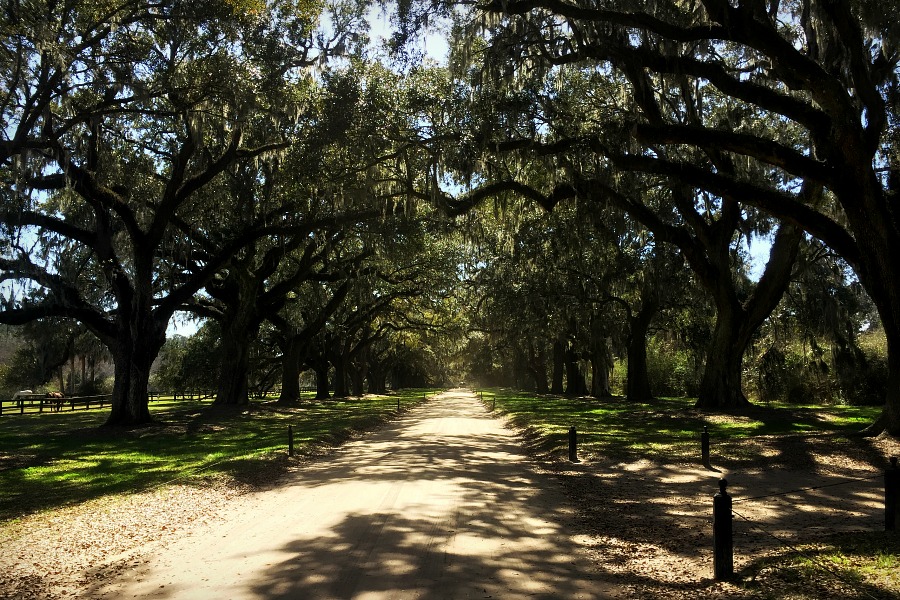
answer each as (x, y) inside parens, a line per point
(441, 504)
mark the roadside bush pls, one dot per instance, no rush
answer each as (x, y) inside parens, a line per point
(863, 376)
(671, 370)
(800, 374)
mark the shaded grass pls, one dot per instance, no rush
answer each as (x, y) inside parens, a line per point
(856, 565)
(54, 459)
(666, 428)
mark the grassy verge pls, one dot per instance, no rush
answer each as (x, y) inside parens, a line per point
(54, 459)
(667, 428)
(858, 565)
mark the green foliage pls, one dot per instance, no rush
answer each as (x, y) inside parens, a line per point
(672, 369)
(188, 363)
(803, 373)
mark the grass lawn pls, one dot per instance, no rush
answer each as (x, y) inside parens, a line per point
(668, 428)
(54, 459)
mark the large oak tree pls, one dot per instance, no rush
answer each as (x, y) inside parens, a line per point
(119, 119)
(788, 107)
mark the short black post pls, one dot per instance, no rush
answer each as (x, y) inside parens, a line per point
(573, 444)
(493, 403)
(891, 495)
(398, 403)
(723, 551)
(290, 440)
(704, 446)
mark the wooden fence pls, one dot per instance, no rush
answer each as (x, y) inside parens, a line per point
(39, 403)
(32, 403)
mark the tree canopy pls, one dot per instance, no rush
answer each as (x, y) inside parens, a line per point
(580, 178)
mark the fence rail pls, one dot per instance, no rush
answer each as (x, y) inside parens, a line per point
(39, 403)
(32, 403)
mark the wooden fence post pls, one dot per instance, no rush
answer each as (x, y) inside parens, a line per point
(891, 495)
(704, 446)
(723, 551)
(573, 444)
(290, 440)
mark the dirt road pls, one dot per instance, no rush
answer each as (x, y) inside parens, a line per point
(438, 505)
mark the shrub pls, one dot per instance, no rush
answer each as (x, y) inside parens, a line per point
(671, 370)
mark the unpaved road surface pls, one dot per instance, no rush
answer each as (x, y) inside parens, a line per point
(438, 505)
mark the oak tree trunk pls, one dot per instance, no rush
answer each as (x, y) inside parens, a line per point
(134, 350)
(322, 387)
(575, 383)
(600, 377)
(637, 386)
(234, 369)
(721, 383)
(291, 361)
(736, 322)
(340, 377)
(559, 361)
(357, 379)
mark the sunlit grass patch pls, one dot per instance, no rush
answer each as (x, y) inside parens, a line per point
(666, 429)
(53, 459)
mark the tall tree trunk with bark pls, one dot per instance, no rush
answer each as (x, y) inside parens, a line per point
(736, 322)
(637, 386)
(881, 279)
(720, 386)
(600, 377)
(322, 387)
(234, 368)
(338, 361)
(291, 361)
(537, 368)
(357, 379)
(377, 378)
(140, 337)
(559, 364)
(575, 383)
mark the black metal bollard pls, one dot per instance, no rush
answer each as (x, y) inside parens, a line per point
(723, 539)
(290, 440)
(704, 446)
(398, 403)
(891, 495)
(573, 444)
